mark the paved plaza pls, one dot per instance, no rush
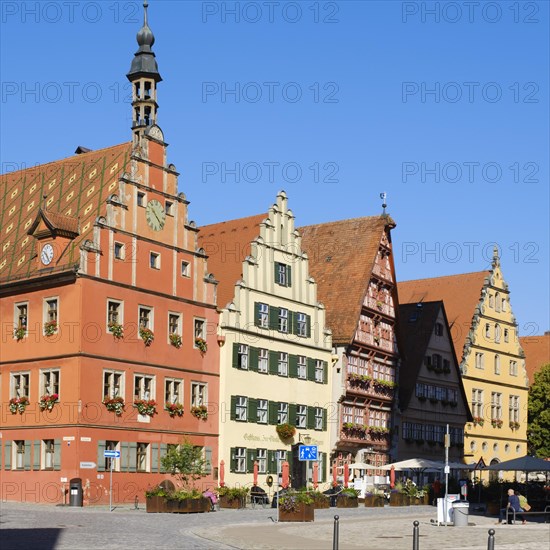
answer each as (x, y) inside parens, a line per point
(43, 527)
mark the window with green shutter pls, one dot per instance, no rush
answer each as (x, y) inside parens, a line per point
(311, 369)
(250, 458)
(232, 460)
(100, 456)
(125, 457)
(283, 274)
(163, 451)
(253, 359)
(154, 457)
(311, 418)
(7, 455)
(325, 372)
(208, 460)
(273, 317)
(293, 366)
(273, 362)
(273, 412)
(233, 410)
(271, 462)
(235, 362)
(252, 410)
(36, 455)
(27, 455)
(57, 455)
(324, 420)
(292, 413)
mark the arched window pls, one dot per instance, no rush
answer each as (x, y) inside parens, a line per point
(491, 300)
(497, 364)
(497, 302)
(498, 331)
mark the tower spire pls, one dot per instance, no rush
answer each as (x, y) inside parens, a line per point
(144, 76)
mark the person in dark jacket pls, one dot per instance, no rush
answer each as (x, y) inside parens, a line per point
(513, 503)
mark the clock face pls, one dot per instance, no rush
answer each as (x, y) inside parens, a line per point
(155, 215)
(46, 256)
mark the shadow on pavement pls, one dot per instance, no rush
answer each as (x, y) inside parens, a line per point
(16, 539)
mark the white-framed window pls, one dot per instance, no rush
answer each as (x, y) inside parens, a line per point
(437, 361)
(491, 301)
(496, 406)
(301, 416)
(280, 457)
(261, 457)
(319, 371)
(480, 360)
(263, 315)
(282, 274)
(359, 415)
(263, 360)
(497, 302)
(185, 269)
(301, 324)
(282, 413)
(199, 394)
(115, 310)
(283, 320)
(513, 408)
(48, 454)
(173, 391)
(51, 310)
(240, 460)
(142, 457)
(174, 323)
(242, 357)
(21, 315)
(112, 446)
(347, 414)
(487, 330)
(241, 408)
(497, 364)
(282, 364)
(49, 382)
(19, 451)
(503, 304)
(154, 260)
(144, 386)
(262, 411)
(199, 329)
(513, 368)
(302, 367)
(113, 383)
(20, 384)
(145, 317)
(438, 329)
(477, 403)
(141, 199)
(118, 249)
(169, 208)
(498, 331)
(506, 335)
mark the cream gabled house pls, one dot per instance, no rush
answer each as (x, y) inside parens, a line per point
(275, 349)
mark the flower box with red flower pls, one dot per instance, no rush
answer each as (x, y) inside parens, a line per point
(50, 328)
(146, 407)
(147, 335)
(19, 404)
(114, 404)
(200, 412)
(47, 402)
(174, 409)
(201, 344)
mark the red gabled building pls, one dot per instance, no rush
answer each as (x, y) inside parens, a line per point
(103, 294)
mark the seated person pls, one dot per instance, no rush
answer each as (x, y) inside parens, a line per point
(513, 503)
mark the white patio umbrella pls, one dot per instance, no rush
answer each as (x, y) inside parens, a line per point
(365, 466)
(414, 464)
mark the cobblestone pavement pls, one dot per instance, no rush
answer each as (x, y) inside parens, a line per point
(25, 526)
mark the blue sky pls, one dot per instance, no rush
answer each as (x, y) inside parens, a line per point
(443, 105)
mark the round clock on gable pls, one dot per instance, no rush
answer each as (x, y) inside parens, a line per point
(46, 256)
(155, 214)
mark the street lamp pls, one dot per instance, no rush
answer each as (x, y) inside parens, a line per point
(304, 438)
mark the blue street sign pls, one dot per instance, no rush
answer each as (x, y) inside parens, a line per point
(308, 452)
(111, 454)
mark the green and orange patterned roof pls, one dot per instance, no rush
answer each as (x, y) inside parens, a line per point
(75, 191)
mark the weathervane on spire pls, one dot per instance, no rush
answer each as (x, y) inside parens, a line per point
(383, 197)
(145, 6)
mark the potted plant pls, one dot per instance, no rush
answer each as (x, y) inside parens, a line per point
(200, 412)
(347, 499)
(116, 330)
(374, 499)
(19, 404)
(232, 497)
(155, 500)
(48, 401)
(320, 500)
(114, 404)
(50, 328)
(20, 333)
(514, 425)
(201, 344)
(147, 335)
(174, 409)
(175, 340)
(478, 421)
(285, 431)
(146, 407)
(296, 506)
(496, 423)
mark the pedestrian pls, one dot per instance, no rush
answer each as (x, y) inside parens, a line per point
(436, 486)
(513, 503)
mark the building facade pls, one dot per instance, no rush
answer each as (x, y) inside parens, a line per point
(492, 362)
(352, 262)
(108, 317)
(275, 349)
(431, 394)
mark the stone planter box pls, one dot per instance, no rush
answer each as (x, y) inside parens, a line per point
(156, 505)
(346, 502)
(234, 504)
(321, 503)
(374, 501)
(305, 512)
(396, 499)
(189, 506)
(406, 500)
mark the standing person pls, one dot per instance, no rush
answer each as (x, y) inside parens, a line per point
(436, 486)
(513, 502)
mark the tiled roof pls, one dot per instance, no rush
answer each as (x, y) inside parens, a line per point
(76, 189)
(460, 294)
(341, 258)
(227, 244)
(537, 353)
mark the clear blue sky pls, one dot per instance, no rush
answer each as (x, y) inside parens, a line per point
(394, 96)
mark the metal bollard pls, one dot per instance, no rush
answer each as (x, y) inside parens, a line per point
(335, 533)
(416, 535)
(491, 540)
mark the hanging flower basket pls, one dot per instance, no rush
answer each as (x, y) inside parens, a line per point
(146, 407)
(175, 340)
(20, 333)
(201, 344)
(478, 421)
(514, 425)
(114, 404)
(147, 335)
(50, 328)
(18, 404)
(47, 402)
(285, 431)
(116, 330)
(174, 409)
(200, 412)
(496, 423)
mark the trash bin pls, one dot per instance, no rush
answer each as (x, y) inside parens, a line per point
(75, 492)
(460, 513)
